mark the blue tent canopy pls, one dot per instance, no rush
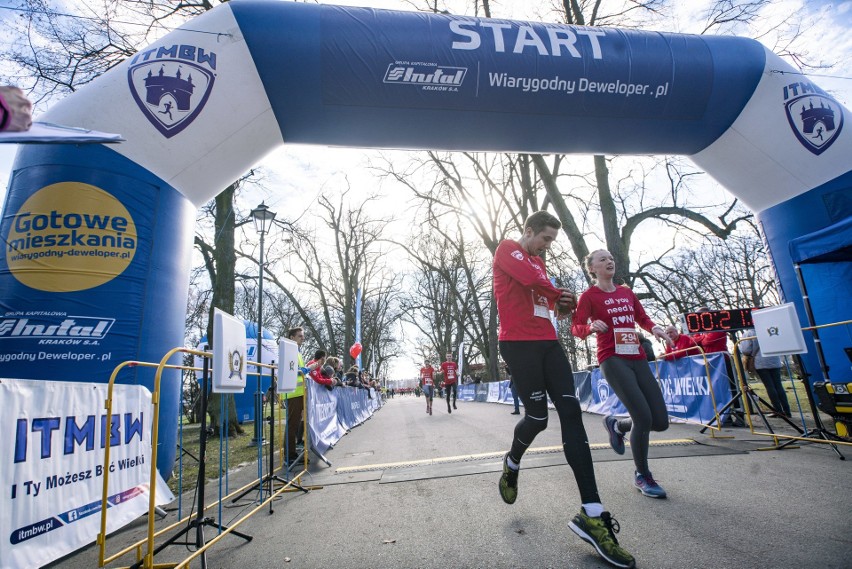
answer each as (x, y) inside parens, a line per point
(825, 260)
(829, 245)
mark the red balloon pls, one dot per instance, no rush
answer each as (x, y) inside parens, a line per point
(355, 350)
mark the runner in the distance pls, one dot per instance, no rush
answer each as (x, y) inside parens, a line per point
(451, 376)
(612, 312)
(427, 384)
(539, 367)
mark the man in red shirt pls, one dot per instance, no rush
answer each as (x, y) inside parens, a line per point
(681, 346)
(450, 370)
(427, 384)
(539, 367)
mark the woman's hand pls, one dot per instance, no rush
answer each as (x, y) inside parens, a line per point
(598, 326)
(20, 110)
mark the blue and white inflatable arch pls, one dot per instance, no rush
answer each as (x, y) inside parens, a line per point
(98, 239)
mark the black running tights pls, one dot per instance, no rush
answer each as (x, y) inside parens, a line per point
(540, 368)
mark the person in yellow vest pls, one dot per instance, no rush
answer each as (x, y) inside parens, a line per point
(296, 399)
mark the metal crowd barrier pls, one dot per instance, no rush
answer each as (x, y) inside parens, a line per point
(146, 560)
(718, 418)
(805, 433)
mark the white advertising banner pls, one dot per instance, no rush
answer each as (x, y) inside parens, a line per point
(51, 466)
(229, 353)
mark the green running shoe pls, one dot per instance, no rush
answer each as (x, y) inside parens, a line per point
(600, 532)
(508, 482)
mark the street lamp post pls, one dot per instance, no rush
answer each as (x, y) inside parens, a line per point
(263, 218)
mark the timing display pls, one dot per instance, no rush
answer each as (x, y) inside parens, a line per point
(718, 320)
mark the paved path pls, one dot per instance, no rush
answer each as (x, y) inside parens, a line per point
(730, 505)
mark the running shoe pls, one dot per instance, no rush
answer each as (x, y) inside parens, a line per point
(600, 533)
(508, 482)
(616, 439)
(648, 486)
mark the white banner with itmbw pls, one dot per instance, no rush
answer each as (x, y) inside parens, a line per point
(51, 466)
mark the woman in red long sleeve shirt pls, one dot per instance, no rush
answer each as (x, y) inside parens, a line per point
(612, 312)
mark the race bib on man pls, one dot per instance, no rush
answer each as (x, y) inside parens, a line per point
(540, 307)
(626, 341)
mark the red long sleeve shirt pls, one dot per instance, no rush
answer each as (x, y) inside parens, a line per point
(682, 343)
(712, 342)
(316, 375)
(524, 294)
(620, 310)
(427, 375)
(451, 372)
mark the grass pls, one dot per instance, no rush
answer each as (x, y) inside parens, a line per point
(240, 451)
(797, 386)
(794, 390)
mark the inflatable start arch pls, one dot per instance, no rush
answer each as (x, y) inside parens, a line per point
(98, 240)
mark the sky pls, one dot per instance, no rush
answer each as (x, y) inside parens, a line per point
(301, 173)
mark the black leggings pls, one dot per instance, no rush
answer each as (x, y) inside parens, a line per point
(451, 387)
(637, 388)
(540, 368)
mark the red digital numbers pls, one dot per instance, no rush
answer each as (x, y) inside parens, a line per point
(718, 320)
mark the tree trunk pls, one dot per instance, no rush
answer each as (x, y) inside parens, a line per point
(225, 261)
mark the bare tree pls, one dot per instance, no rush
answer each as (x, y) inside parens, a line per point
(450, 299)
(333, 262)
(734, 273)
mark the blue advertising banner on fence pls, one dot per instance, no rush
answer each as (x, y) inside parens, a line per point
(323, 426)
(333, 413)
(467, 392)
(683, 382)
(685, 387)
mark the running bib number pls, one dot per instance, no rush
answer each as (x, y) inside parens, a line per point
(626, 341)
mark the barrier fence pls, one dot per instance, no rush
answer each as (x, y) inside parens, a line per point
(697, 389)
(806, 434)
(690, 396)
(329, 415)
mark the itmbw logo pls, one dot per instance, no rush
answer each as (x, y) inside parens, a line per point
(815, 118)
(171, 85)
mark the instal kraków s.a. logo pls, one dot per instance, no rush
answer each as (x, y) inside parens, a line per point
(815, 118)
(426, 76)
(171, 85)
(61, 328)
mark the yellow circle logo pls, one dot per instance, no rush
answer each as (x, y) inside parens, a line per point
(68, 237)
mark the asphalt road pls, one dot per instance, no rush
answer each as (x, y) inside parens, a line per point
(409, 490)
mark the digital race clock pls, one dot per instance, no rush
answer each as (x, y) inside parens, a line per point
(717, 320)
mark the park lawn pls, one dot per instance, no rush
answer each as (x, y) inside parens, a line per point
(238, 451)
